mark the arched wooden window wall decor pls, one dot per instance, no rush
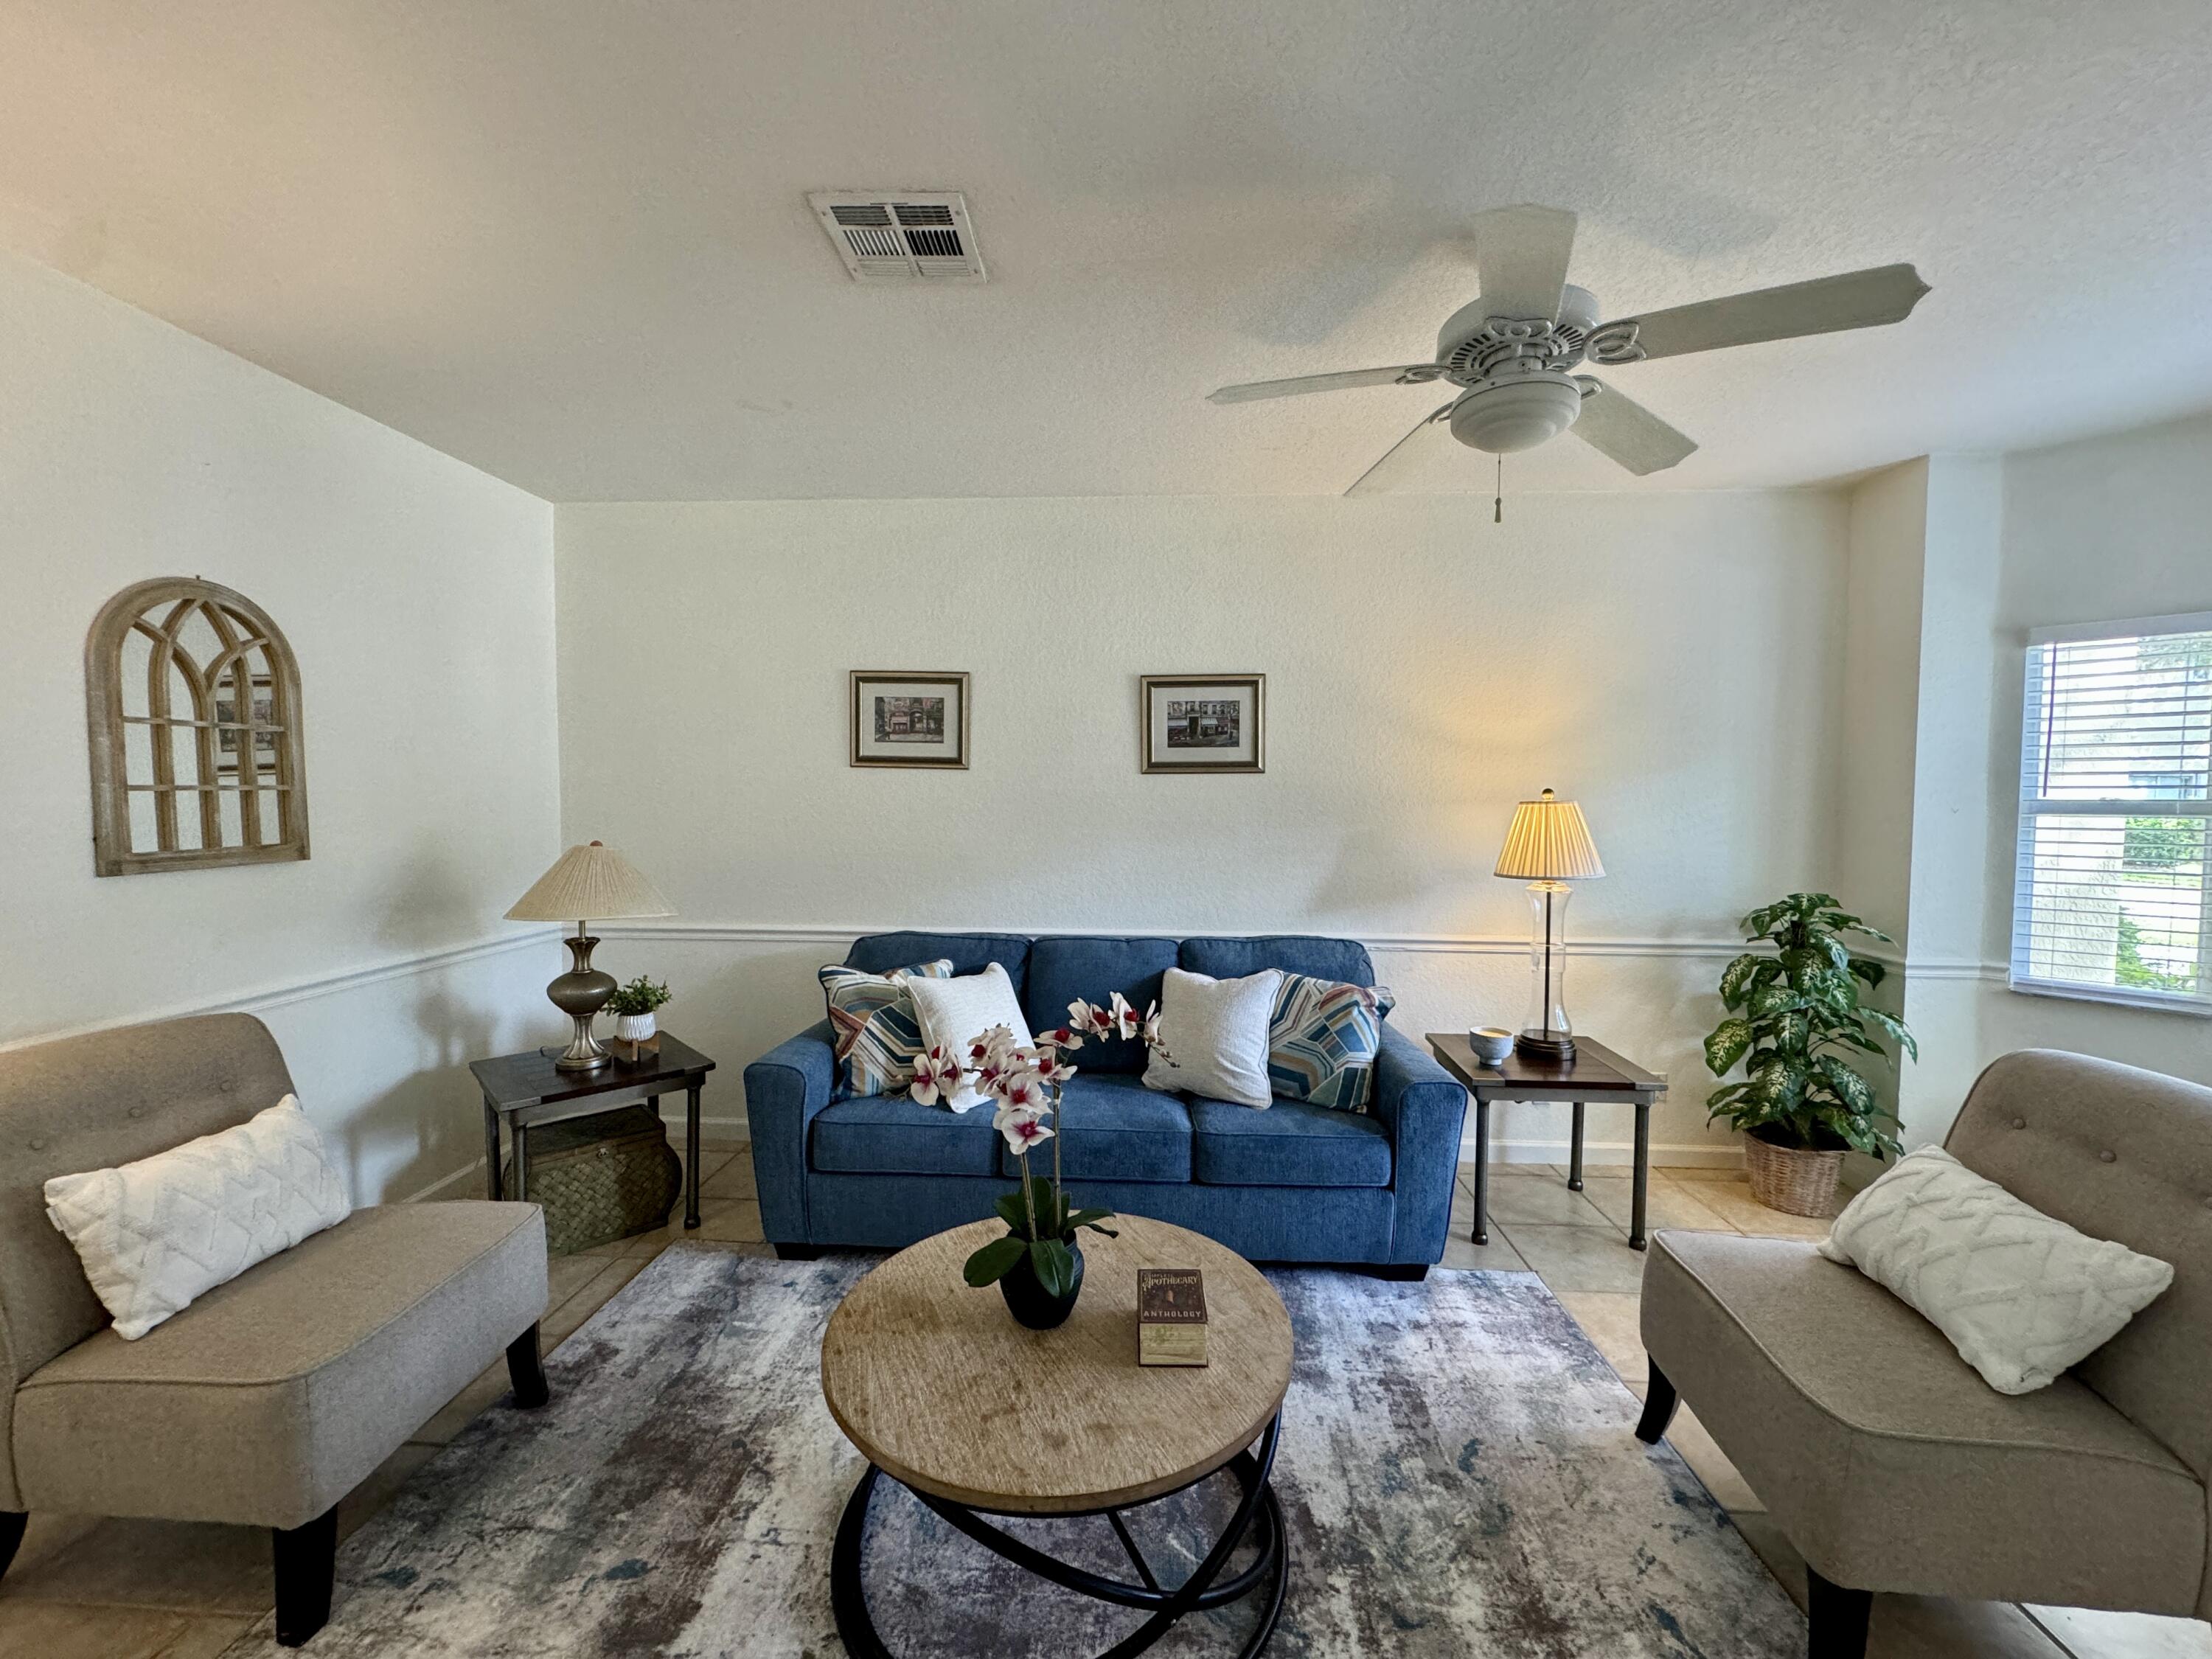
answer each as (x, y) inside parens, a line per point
(193, 702)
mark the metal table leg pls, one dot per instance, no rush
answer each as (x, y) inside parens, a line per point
(691, 1154)
(491, 1149)
(1643, 1176)
(1482, 1171)
(1575, 1154)
(521, 1161)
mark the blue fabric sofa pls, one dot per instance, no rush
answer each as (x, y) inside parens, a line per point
(1294, 1182)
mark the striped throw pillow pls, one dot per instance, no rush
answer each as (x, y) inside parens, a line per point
(876, 1030)
(1322, 1042)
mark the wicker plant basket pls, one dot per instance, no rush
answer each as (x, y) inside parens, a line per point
(601, 1178)
(1794, 1182)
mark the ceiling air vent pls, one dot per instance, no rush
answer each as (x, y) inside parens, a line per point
(901, 236)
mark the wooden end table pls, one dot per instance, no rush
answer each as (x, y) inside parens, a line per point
(940, 1390)
(526, 1091)
(1595, 1074)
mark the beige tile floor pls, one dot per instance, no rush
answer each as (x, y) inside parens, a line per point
(84, 1587)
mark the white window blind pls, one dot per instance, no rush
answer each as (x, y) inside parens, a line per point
(2110, 900)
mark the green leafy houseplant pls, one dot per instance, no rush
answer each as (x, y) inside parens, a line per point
(639, 996)
(1798, 1026)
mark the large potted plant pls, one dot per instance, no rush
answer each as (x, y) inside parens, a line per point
(1798, 1026)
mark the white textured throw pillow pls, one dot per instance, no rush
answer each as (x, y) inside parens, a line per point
(954, 1013)
(2021, 1295)
(1215, 1032)
(155, 1234)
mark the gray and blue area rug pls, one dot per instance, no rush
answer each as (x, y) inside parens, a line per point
(1456, 1470)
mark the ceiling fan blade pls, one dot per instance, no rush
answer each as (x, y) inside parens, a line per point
(1370, 482)
(1859, 299)
(1621, 429)
(1405, 374)
(1521, 254)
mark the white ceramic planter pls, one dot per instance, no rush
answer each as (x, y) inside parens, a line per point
(634, 1027)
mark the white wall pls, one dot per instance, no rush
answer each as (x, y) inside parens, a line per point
(1672, 662)
(417, 594)
(2109, 528)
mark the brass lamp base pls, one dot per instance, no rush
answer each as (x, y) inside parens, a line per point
(1552, 1047)
(581, 993)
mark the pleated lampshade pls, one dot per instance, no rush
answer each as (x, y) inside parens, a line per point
(590, 882)
(1548, 841)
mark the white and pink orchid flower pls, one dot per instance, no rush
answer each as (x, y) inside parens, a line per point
(1124, 1017)
(1023, 1130)
(1050, 1068)
(1019, 1091)
(937, 1076)
(1088, 1019)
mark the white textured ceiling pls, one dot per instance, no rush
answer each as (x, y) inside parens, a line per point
(568, 241)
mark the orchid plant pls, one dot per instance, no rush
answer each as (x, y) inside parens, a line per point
(1025, 1081)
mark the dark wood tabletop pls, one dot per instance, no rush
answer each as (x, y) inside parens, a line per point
(1594, 1072)
(530, 1079)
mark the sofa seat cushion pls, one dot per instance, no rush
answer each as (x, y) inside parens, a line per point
(274, 1395)
(1889, 1463)
(1064, 967)
(1292, 1143)
(891, 1134)
(1343, 960)
(1112, 1129)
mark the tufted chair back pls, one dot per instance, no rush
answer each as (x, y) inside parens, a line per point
(2123, 1154)
(90, 1103)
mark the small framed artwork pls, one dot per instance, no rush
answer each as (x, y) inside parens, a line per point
(229, 726)
(910, 719)
(1205, 722)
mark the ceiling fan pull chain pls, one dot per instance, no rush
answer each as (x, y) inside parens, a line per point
(1497, 514)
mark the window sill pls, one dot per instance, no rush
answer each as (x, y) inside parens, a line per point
(2113, 996)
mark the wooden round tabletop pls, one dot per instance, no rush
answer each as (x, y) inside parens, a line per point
(938, 1387)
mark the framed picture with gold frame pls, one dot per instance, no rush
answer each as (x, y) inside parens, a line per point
(907, 717)
(1205, 722)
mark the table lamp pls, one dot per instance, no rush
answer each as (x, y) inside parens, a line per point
(585, 882)
(1549, 845)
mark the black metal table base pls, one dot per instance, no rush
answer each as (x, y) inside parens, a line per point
(1269, 1573)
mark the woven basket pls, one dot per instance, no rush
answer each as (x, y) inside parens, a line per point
(601, 1178)
(1793, 1182)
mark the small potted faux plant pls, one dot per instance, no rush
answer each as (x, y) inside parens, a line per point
(1038, 1265)
(1796, 1025)
(637, 1032)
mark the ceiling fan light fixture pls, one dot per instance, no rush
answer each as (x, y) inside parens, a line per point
(1508, 416)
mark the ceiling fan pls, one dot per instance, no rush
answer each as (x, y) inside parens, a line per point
(1510, 353)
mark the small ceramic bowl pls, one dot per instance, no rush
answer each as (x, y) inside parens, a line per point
(1490, 1043)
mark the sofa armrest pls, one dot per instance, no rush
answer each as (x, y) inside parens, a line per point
(784, 1088)
(1422, 1105)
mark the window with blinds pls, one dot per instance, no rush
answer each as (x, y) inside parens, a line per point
(2110, 900)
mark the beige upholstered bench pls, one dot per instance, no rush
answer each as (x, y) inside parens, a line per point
(271, 1397)
(1887, 1461)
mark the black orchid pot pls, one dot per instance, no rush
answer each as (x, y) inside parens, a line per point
(1031, 1303)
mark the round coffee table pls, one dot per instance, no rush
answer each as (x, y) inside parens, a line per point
(934, 1381)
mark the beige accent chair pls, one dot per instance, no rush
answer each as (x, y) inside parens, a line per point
(1887, 1461)
(271, 1397)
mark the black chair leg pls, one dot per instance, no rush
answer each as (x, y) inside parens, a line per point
(526, 1370)
(1410, 1272)
(797, 1253)
(1835, 1619)
(306, 1561)
(12, 1522)
(1659, 1402)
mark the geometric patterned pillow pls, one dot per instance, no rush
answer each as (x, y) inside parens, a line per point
(876, 1032)
(1322, 1039)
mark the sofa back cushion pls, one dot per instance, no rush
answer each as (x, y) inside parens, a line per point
(969, 953)
(92, 1102)
(1065, 967)
(2123, 1154)
(1341, 959)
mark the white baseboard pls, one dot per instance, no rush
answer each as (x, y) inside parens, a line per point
(1681, 1155)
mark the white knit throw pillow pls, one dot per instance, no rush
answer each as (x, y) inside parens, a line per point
(2021, 1295)
(1215, 1032)
(155, 1234)
(954, 1013)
